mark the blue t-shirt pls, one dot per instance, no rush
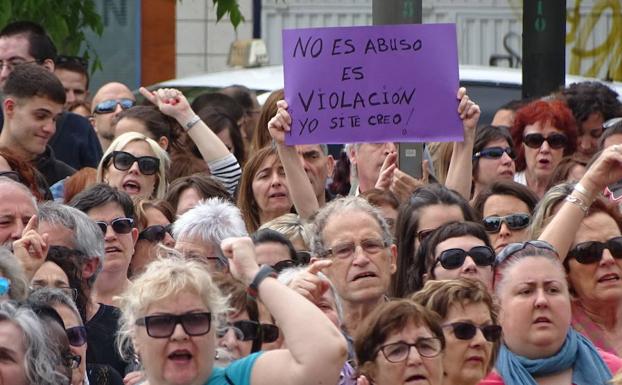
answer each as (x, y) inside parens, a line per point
(238, 372)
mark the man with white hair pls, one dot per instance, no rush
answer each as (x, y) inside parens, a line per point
(200, 230)
(17, 206)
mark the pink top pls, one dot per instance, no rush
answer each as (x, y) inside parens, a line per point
(613, 362)
(582, 323)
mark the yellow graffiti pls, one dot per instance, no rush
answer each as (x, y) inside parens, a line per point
(608, 53)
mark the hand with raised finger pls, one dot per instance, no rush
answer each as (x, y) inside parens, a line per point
(308, 284)
(241, 254)
(170, 102)
(32, 248)
(280, 124)
(386, 172)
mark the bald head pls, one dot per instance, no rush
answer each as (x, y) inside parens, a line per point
(102, 120)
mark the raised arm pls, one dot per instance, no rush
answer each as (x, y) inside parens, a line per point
(300, 188)
(461, 166)
(316, 350)
(561, 230)
(173, 103)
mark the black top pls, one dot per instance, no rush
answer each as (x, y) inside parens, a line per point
(75, 141)
(101, 334)
(102, 375)
(52, 169)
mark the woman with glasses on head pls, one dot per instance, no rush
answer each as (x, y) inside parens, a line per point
(456, 250)
(493, 157)
(135, 164)
(544, 131)
(586, 229)
(400, 342)
(172, 312)
(430, 207)
(470, 325)
(154, 218)
(539, 344)
(82, 373)
(506, 208)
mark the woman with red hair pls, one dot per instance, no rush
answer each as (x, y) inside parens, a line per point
(544, 131)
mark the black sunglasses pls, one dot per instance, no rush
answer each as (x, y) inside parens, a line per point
(466, 331)
(514, 248)
(163, 326)
(148, 165)
(110, 105)
(76, 335)
(492, 224)
(592, 251)
(155, 233)
(452, 259)
(119, 225)
(282, 265)
(65, 59)
(555, 141)
(71, 360)
(269, 333)
(244, 330)
(495, 153)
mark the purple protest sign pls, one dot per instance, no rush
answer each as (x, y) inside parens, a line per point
(372, 84)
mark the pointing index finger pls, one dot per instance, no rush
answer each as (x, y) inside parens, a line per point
(148, 95)
(33, 224)
(319, 265)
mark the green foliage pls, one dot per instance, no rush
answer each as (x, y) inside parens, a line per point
(65, 21)
(230, 7)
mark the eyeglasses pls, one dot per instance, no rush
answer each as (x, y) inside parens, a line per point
(399, 351)
(11, 64)
(76, 335)
(592, 251)
(495, 153)
(346, 250)
(13, 175)
(514, 248)
(119, 225)
(71, 360)
(269, 332)
(64, 59)
(244, 330)
(5, 285)
(466, 331)
(492, 223)
(163, 326)
(155, 233)
(69, 291)
(282, 265)
(304, 256)
(122, 161)
(452, 259)
(110, 105)
(555, 141)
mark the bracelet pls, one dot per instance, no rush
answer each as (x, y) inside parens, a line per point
(196, 119)
(577, 202)
(581, 190)
(264, 272)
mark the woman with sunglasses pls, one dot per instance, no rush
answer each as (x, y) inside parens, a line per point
(430, 207)
(400, 342)
(469, 322)
(83, 373)
(493, 157)
(544, 131)
(135, 164)
(539, 344)
(171, 314)
(154, 218)
(457, 250)
(506, 208)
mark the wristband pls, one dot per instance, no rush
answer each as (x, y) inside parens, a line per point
(196, 119)
(577, 202)
(264, 272)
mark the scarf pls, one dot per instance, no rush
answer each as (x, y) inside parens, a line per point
(577, 352)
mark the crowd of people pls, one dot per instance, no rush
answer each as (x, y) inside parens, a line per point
(170, 241)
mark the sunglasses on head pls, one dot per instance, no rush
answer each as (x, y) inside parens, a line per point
(495, 153)
(110, 105)
(122, 161)
(466, 331)
(119, 225)
(155, 233)
(76, 335)
(514, 248)
(244, 330)
(592, 251)
(519, 221)
(555, 141)
(163, 325)
(452, 259)
(65, 59)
